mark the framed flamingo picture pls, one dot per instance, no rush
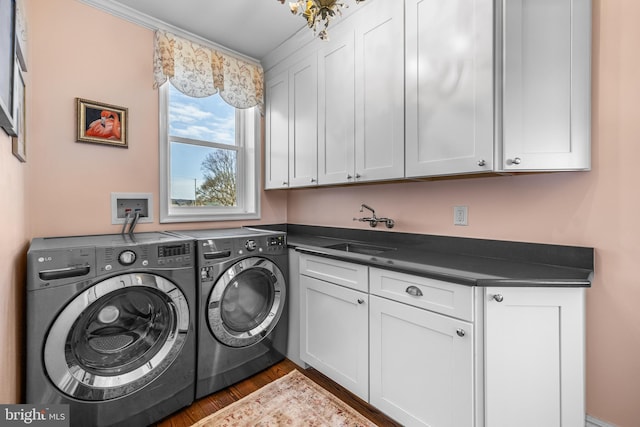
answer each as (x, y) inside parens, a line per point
(101, 123)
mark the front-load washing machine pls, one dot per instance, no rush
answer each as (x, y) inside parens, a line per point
(111, 326)
(243, 319)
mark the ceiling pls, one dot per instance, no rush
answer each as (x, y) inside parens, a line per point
(250, 27)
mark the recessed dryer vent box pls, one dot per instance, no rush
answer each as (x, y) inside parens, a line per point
(121, 203)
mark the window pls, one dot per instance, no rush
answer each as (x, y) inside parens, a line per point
(208, 159)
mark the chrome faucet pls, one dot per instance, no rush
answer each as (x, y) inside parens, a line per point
(373, 220)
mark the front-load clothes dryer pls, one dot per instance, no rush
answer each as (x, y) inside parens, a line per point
(111, 326)
(243, 318)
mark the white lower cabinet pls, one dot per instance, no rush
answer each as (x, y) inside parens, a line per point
(421, 371)
(534, 346)
(432, 353)
(334, 333)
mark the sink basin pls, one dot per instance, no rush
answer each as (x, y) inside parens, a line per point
(360, 248)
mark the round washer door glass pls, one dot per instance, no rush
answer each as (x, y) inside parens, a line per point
(246, 302)
(116, 336)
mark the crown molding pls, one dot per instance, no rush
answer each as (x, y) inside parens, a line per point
(129, 14)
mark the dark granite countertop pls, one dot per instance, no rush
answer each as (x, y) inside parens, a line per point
(472, 262)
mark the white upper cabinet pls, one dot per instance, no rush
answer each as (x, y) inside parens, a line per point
(546, 85)
(537, 70)
(336, 109)
(449, 87)
(277, 131)
(361, 101)
(379, 92)
(421, 88)
(291, 128)
(303, 123)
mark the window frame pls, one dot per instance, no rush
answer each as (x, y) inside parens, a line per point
(248, 169)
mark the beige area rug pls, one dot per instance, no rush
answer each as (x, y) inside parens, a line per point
(293, 400)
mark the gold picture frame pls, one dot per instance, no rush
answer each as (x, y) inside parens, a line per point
(101, 123)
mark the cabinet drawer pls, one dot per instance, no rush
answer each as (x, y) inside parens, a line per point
(354, 276)
(431, 294)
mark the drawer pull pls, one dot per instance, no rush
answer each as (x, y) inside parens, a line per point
(360, 301)
(413, 290)
(498, 297)
(460, 332)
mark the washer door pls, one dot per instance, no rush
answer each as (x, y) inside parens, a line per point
(246, 302)
(116, 336)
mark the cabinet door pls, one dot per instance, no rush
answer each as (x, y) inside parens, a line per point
(336, 109)
(333, 333)
(449, 87)
(534, 346)
(303, 123)
(547, 84)
(421, 365)
(276, 168)
(379, 43)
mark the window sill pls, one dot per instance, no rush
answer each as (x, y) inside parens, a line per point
(190, 217)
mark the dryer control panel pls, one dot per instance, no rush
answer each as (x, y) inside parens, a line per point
(214, 251)
(276, 241)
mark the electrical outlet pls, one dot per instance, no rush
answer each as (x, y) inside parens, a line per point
(460, 215)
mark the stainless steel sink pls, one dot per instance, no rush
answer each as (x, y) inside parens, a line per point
(360, 248)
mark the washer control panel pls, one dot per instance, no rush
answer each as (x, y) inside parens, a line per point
(181, 249)
(171, 255)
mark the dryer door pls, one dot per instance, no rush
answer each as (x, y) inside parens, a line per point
(116, 336)
(246, 302)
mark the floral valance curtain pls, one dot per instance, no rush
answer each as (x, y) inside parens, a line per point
(200, 71)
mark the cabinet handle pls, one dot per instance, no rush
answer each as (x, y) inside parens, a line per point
(498, 297)
(313, 180)
(358, 176)
(515, 161)
(285, 183)
(482, 163)
(413, 290)
(349, 176)
(360, 301)
(460, 332)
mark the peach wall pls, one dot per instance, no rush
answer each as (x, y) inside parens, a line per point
(14, 240)
(79, 51)
(13, 245)
(598, 209)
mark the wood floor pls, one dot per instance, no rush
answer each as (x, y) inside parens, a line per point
(214, 402)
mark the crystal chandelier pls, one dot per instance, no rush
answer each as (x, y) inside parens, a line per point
(317, 13)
